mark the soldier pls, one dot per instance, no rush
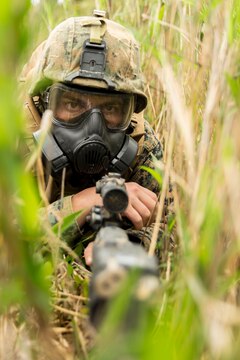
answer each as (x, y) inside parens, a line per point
(88, 74)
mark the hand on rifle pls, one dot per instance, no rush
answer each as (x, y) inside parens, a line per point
(140, 210)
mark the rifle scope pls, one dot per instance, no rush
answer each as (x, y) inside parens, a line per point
(113, 191)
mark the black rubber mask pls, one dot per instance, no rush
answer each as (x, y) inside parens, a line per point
(89, 130)
(88, 146)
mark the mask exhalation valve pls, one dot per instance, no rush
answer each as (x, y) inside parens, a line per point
(91, 157)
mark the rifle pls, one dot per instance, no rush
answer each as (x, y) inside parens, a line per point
(114, 255)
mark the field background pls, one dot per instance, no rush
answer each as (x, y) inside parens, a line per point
(191, 62)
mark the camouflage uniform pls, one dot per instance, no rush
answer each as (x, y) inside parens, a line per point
(56, 60)
(151, 147)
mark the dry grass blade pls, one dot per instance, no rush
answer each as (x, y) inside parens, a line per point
(80, 338)
(190, 58)
(214, 93)
(164, 190)
(219, 317)
(70, 322)
(8, 339)
(170, 26)
(76, 297)
(182, 117)
(46, 124)
(232, 180)
(70, 312)
(175, 178)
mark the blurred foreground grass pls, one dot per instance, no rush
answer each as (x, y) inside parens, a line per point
(190, 57)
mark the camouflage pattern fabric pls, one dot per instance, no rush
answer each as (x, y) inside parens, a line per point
(57, 59)
(58, 209)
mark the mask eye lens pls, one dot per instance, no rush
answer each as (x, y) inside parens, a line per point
(68, 104)
(112, 113)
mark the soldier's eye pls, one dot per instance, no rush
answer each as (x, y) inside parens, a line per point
(72, 105)
(111, 109)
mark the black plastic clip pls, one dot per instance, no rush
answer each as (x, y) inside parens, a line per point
(93, 58)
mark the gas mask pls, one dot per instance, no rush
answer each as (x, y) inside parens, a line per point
(88, 130)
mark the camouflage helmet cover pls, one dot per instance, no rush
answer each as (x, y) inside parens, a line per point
(62, 51)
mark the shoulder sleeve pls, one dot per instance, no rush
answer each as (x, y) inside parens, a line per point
(57, 211)
(150, 148)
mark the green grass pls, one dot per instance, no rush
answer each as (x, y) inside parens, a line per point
(190, 57)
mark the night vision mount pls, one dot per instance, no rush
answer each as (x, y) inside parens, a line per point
(93, 63)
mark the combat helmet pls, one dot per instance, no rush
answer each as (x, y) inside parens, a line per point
(91, 52)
